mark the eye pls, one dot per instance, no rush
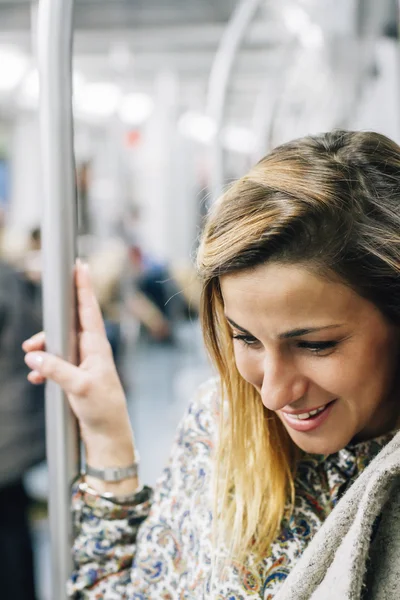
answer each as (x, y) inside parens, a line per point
(247, 340)
(320, 348)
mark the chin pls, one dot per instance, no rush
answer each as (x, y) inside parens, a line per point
(315, 445)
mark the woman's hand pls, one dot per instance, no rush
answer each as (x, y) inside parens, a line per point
(93, 388)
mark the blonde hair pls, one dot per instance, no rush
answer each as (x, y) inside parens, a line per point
(331, 202)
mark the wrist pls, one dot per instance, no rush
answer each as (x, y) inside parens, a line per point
(103, 452)
(113, 474)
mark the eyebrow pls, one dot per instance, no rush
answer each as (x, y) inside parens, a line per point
(288, 334)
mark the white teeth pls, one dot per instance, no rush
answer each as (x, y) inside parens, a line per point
(304, 416)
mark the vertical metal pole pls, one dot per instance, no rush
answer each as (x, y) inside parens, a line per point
(54, 44)
(218, 85)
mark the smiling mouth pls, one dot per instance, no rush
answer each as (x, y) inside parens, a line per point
(305, 416)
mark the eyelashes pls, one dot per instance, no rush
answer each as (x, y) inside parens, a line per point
(247, 340)
(319, 348)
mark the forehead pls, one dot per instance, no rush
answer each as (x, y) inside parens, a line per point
(289, 295)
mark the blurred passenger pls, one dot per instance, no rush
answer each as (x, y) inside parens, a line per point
(149, 291)
(189, 285)
(146, 295)
(22, 437)
(137, 305)
(152, 295)
(127, 227)
(36, 240)
(32, 266)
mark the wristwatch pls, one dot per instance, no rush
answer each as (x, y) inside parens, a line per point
(113, 474)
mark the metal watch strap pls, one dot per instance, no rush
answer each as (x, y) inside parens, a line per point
(112, 474)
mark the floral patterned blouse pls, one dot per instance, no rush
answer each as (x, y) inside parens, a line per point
(161, 549)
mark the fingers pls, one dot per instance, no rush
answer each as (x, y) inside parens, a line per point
(90, 316)
(36, 342)
(91, 344)
(36, 378)
(46, 366)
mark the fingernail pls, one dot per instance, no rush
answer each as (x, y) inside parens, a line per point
(34, 360)
(82, 265)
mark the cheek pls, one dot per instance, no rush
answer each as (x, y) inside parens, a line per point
(371, 363)
(378, 367)
(333, 374)
(346, 374)
(247, 365)
(361, 373)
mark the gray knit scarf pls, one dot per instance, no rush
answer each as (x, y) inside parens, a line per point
(356, 553)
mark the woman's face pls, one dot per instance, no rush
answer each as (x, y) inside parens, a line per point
(308, 344)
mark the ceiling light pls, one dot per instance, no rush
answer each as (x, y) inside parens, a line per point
(197, 127)
(298, 22)
(135, 109)
(239, 139)
(30, 88)
(13, 66)
(97, 100)
(29, 92)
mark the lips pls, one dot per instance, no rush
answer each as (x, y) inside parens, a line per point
(306, 415)
(304, 421)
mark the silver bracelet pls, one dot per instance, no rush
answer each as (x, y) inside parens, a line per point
(113, 474)
(132, 498)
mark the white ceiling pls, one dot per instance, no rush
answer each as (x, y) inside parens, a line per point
(97, 14)
(182, 36)
(179, 36)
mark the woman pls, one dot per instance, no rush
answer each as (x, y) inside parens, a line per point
(300, 262)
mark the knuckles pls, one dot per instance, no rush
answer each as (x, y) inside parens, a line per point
(84, 387)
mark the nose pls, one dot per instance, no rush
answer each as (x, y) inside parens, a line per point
(282, 383)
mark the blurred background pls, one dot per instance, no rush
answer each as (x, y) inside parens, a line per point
(172, 100)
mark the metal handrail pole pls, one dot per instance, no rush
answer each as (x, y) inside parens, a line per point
(54, 47)
(218, 84)
(261, 120)
(266, 104)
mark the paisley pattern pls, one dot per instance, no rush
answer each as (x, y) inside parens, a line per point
(162, 550)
